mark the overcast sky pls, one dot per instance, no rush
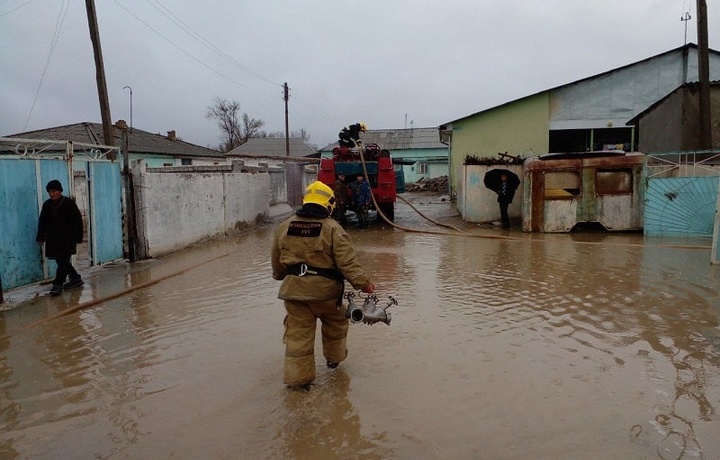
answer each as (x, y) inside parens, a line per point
(389, 63)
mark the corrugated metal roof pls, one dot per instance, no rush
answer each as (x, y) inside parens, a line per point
(400, 139)
(140, 142)
(682, 49)
(273, 146)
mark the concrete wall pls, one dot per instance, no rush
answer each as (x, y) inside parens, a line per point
(179, 206)
(476, 202)
(278, 185)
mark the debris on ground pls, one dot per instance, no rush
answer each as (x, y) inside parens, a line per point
(435, 184)
(502, 159)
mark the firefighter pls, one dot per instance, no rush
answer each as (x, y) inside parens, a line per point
(350, 135)
(313, 255)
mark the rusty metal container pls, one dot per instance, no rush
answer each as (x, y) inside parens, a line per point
(562, 190)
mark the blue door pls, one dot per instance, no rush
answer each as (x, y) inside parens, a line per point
(21, 195)
(105, 211)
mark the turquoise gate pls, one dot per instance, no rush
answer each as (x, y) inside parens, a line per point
(681, 194)
(26, 165)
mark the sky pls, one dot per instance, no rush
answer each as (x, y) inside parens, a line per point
(389, 63)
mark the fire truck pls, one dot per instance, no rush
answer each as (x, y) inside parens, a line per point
(384, 181)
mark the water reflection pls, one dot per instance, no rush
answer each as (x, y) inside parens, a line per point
(323, 423)
(544, 346)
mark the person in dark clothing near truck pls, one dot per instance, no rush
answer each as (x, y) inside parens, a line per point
(350, 135)
(60, 228)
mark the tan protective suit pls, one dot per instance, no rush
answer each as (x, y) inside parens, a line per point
(321, 243)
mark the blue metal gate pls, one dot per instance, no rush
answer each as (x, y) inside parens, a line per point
(681, 193)
(680, 206)
(105, 211)
(26, 167)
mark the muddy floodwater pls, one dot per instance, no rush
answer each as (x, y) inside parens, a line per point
(575, 346)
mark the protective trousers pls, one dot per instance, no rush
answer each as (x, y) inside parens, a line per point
(299, 338)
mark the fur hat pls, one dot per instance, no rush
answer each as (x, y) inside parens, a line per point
(54, 185)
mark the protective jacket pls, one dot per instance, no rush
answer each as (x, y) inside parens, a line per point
(320, 243)
(350, 135)
(60, 227)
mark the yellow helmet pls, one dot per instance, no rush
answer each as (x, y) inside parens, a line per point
(363, 126)
(321, 194)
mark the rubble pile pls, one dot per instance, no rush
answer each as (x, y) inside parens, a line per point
(435, 184)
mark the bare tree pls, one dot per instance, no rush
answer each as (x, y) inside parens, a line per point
(225, 113)
(251, 127)
(235, 131)
(302, 134)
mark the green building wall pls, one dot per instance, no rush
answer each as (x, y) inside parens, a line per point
(518, 128)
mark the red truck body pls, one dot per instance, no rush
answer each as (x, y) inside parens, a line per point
(380, 170)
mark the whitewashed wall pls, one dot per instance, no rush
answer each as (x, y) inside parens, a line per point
(179, 206)
(476, 202)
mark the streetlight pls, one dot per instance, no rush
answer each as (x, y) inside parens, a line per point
(131, 124)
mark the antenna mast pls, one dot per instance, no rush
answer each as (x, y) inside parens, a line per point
(685, 19)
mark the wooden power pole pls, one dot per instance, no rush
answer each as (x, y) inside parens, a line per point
(286, 96)
(704, 77)
(100, 74)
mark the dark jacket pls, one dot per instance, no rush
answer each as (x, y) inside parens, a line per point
(60, 227)
(350, 133)
(506, 194)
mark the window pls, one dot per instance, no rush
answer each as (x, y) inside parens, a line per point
(562, 184)
(186, 161)
(422, 168)
(613, 181)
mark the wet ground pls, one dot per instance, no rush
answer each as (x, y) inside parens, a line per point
(504, 345)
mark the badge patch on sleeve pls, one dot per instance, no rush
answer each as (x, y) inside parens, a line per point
(305, 229)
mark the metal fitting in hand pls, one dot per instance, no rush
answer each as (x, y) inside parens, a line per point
(370, 312)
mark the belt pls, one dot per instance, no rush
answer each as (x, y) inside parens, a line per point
(305, 269)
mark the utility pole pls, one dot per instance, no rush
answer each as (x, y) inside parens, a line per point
(100, 74)
(286, 96)
(704, 77)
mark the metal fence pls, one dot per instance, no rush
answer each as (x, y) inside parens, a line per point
(26, 165)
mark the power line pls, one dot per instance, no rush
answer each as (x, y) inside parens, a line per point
(14, 9)
(184, 26)
(56, 35)
(185, 52)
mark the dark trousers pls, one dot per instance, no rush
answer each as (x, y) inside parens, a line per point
(504, 213)
(64, 268)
